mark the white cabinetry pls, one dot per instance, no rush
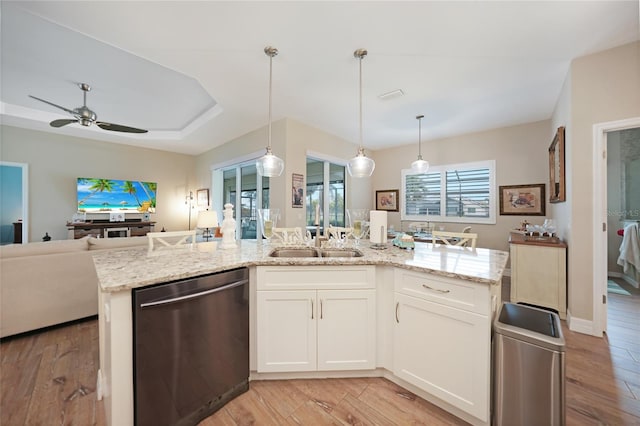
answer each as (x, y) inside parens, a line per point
(315, 318)
(442, 338)
(539, 275)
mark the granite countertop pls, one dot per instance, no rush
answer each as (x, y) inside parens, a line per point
(126, 269)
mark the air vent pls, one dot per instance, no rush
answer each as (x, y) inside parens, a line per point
(392, 94)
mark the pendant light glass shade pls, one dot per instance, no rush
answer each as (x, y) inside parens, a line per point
(360, 165)
(420, 165)
(269, 165)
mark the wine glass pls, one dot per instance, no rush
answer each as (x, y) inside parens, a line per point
(268, 220)
(358, 223)
(549, 227)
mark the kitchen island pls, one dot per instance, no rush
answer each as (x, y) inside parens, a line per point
(420, 309)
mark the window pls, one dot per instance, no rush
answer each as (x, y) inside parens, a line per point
(253, 192)
(325, 180)
(450, 193)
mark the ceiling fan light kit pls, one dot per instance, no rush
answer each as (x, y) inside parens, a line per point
(85, 116)
(270, 165)
(420, 165)
(360, 166)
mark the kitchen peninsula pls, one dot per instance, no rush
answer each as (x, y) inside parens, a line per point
(422, 317)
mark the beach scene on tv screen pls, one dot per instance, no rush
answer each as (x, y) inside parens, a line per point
(112, 195)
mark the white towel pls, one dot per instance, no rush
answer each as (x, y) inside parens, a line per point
(630, 248)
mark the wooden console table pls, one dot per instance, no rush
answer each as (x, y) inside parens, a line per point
(100, 229)
(539, 273)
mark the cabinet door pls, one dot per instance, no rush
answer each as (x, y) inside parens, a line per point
(286, 333)
(444, 351)
(539, 276)
(346, 329)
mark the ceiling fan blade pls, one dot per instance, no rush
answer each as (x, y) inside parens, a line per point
(62, 122)
(119, 128)
(52, 104)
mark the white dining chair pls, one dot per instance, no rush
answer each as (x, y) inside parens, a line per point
(454, 238)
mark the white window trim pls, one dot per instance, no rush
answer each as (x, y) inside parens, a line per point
(217, 176)
(442, 169)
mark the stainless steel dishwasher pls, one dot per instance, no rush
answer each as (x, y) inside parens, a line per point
(191, 347)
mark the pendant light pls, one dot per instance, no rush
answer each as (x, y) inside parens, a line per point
(269, 165)
(360, 165)
(420, 165)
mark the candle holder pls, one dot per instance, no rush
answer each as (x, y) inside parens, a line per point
(268, 221)
(358, 223)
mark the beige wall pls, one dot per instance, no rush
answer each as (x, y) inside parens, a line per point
(521, 157)
(56, 161)
(614, 202)
(605, 87)
(291, 141)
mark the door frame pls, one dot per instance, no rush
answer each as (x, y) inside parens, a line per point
(600, 131)
(25, 196)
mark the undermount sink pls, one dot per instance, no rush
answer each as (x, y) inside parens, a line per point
(313, 252)
(294, 252)
(341, 252)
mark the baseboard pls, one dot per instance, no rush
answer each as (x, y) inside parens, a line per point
(631, 281)
(580, 325)
(627, 278)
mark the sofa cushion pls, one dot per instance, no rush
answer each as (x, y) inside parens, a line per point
(114, 243)
(45, 247)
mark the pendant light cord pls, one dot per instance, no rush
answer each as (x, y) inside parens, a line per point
(420, 137)
(360, 112)
(270, 89)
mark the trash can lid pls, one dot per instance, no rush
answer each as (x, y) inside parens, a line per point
(537, 326)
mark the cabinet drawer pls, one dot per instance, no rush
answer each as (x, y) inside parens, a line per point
(466, 295)
(315, 277)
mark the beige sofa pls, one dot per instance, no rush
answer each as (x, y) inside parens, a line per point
(49, 283)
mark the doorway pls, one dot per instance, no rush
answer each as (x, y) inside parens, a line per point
(601, 214)
(14, 211)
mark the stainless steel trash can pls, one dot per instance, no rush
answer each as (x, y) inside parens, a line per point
(528, 367)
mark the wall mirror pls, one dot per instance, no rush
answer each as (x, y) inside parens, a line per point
(556, 168)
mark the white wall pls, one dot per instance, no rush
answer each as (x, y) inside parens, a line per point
(521, 158)
(291, 141)
(605, 87)
(56, 161)
(561, 211)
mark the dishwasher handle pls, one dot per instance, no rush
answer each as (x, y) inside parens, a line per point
(194, 295)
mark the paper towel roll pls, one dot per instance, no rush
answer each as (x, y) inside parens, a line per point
(378, 226)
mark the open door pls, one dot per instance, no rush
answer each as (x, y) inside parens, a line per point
(14, 200)
(601, 223)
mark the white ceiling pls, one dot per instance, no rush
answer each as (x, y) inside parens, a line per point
(163, 65)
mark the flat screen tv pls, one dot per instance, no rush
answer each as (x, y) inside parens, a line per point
(112, 195)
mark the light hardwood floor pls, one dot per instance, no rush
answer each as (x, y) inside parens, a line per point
(48, 378)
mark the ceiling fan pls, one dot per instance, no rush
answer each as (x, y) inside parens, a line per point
(86, 117)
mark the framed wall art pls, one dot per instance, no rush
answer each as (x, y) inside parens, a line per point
(556, 168)
(387, 200)
(202, 196)
(523, 200)
(297, 190)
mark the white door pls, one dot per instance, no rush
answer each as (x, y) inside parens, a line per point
(444, 351)
(346, 329)
(286, 331)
